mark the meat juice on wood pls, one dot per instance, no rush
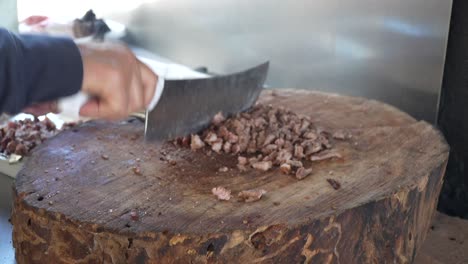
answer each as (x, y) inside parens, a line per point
(265, 138)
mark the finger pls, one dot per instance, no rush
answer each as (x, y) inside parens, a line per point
(92, 109)
(42, 108)
(149, 79)
(137, 99)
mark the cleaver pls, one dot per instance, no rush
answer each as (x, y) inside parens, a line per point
(184, 106)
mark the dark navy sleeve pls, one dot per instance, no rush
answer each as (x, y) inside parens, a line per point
(35, 69)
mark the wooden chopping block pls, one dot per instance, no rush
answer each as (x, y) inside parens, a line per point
(80, 198)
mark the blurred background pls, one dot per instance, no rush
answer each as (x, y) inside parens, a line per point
(392, 51)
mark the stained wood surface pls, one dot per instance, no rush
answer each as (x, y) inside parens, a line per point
(390, 177)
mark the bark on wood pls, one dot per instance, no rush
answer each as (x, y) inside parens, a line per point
(87, 209)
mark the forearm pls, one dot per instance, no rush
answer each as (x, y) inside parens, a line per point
(35, 69)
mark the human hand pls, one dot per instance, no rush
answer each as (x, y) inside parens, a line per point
(118, 83)
(42, 108)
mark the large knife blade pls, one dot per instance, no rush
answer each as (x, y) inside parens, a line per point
(187, 106)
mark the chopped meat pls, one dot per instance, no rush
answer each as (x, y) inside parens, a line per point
(235, 149)
(134, 215)
(285, 168)
(20, 137)
(211, 138)
(196, 142)
(267, 136)
(232, 138)
(218, 118)
(295, 163)
(298, 152)
(269, 149)
(284, 155)
(222, 193)
(137, 170)
(251, 195)
(242, 160)
(302, 172)
(21, 150)
(335, 184)
(325, 156)
(241, 168)
(223, 169)
(280, 142)
(262, 165)
(310, 135)
(269, 139)
(11, 147)
(227, 147)
(339, 135)
(217, 146)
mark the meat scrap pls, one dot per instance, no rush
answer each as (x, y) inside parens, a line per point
(196, 142)
(341, 135)
(325, 156)
(335, 184)
(20, 137)
(262, 165)
(302, 172)
(265, 137)
(251, 195)
(222, 193)
(223, 169)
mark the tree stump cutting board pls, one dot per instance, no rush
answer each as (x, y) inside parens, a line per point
(79, 200)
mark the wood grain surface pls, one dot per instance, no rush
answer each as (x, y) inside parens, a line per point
(79, 200)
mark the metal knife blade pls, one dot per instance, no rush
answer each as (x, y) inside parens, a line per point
(187, 106)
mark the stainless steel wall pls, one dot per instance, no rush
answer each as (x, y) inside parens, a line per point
(388, 50)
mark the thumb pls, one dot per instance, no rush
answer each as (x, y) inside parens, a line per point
(92, 108)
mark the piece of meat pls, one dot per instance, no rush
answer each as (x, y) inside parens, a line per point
(298, 152)
(223, 169)
(325, 156)
(310, 135)
(269, 139)
(284, 155)
(251, 195)
(232, 138)
(221, 193)
(217, 146)
(262, 165)
(196, 142)
(242, 160)
(295, 163)
(302, 172)
(269, 149)
(339, 135)
(227, 147)
(335, 184)
(285, 168)
(235, 149)
(218, 118)
(137, 171)
(241, 168)
(21, 150)
(211, 137)
(11, 147)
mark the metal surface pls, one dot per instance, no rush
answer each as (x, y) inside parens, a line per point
(7, 254)
(387, 50)
(186, 106)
